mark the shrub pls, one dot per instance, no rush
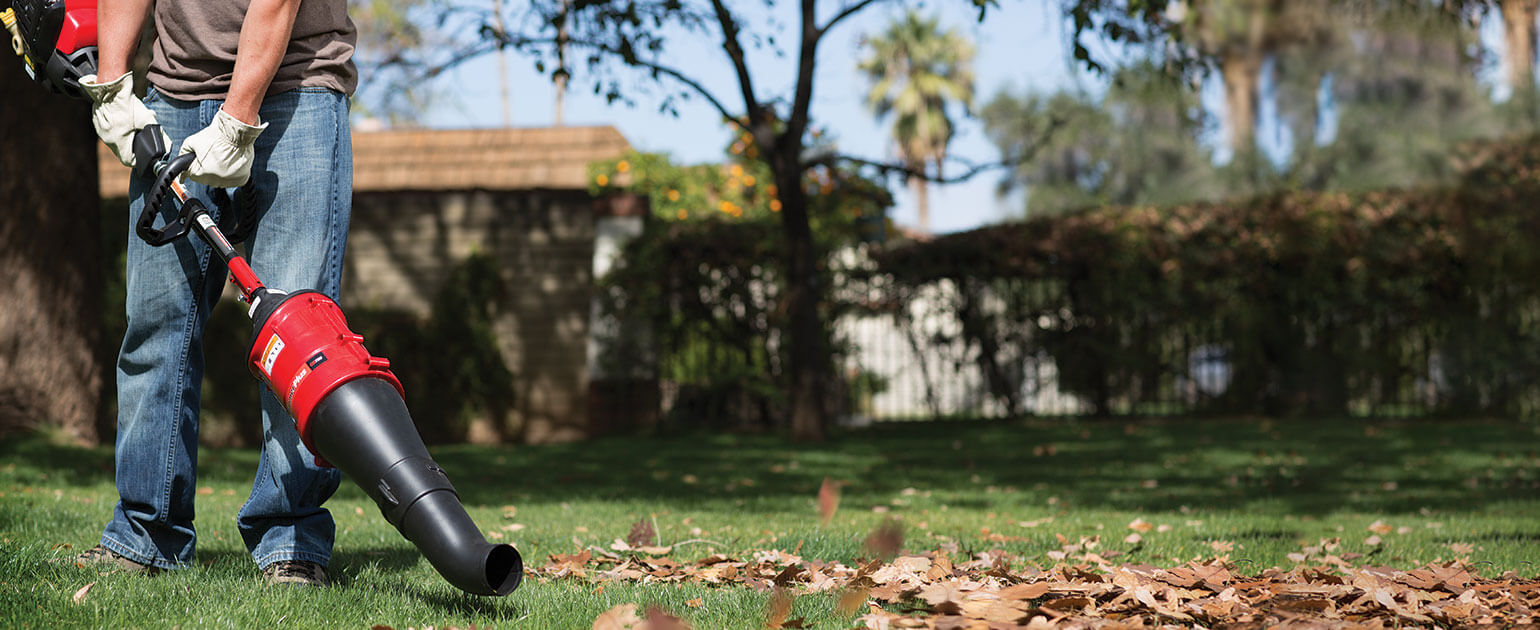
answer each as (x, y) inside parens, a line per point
(1396, 302)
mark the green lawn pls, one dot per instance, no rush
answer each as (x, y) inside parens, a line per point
(1262, 489)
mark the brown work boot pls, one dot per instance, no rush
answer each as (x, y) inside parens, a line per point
(296, 573)
(100, 557)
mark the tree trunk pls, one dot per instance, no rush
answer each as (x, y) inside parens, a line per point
(1241, 71)
(1240, 65)
(1519, 44)
(502, 66)
(49, 248)
(807, 354)
(921, 190)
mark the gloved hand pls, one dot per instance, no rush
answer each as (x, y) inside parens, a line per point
(117, 114)
(224, 150)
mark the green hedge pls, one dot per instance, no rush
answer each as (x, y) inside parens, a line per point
(708, 292)
(1393, 303)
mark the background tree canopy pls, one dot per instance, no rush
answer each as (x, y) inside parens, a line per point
(1352, 98)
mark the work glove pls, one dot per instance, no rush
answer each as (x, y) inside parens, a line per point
(117, 114)
(224, 151)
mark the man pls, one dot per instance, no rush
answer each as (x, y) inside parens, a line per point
(258, 90)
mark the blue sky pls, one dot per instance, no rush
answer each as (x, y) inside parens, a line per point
(1021, 45)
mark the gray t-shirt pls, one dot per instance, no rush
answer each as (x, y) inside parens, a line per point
(195, 42)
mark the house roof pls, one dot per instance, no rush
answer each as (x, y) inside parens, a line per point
(455, 159)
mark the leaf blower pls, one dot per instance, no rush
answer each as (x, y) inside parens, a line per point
(346, 403)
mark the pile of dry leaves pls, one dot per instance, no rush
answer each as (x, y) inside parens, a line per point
(931, 591)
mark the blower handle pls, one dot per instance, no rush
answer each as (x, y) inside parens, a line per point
(150, 152)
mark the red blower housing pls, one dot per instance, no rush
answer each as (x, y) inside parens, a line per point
(349, 409)
(303, 350)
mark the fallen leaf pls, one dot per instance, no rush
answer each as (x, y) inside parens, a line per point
(778, 608)
(943, 597)
(786, 575)
(1452, 578)
(828, 500)
(1379, 527)
(1140, 525)
(1143, 595)
(1310, 605)
(887, 539)
(695, 603)
(642, 533)
(912, 564)
(80, 595)
(657, 619)
(940, 567)
(1132, 539)
(622, 617)
(1069, 604)
(1024, 592)
(850, 601)
(956, 622)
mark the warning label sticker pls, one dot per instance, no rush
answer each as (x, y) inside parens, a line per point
(270, 354)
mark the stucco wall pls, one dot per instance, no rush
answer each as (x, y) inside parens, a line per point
(402, 246)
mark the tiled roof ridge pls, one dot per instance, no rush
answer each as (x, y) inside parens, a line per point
(514, 158)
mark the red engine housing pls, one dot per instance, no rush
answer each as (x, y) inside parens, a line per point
(303, 350)
(79, 28)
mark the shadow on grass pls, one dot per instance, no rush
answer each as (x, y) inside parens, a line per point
(464, 604)
(387, 559)
(1300, 467)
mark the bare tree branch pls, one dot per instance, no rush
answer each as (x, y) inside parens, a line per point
(734, 50)
(420, 71)
(845, 13)
(807, 59)
(972, 168)
(660, 69)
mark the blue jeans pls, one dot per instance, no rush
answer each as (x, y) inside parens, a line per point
(299, 201)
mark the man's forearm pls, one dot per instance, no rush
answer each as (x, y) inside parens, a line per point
(264, 38)
(117, 35)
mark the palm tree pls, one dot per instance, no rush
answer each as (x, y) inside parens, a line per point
(1519, 42)
(917, 70)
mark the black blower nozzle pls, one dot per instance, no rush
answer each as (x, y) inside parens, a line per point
(363, 428)
(349, 410)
